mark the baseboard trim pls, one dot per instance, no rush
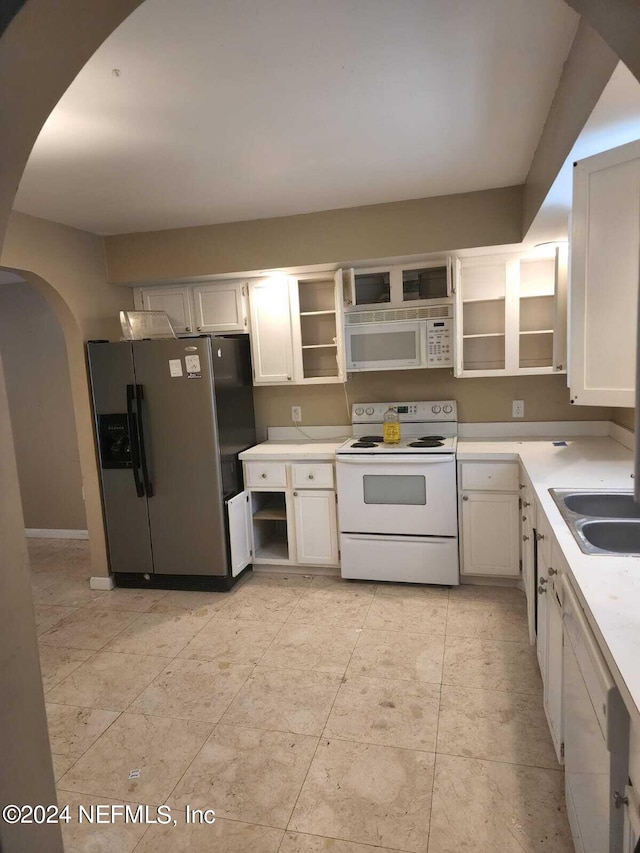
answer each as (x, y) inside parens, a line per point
(102, 583)
(55, 533)
(281, 569)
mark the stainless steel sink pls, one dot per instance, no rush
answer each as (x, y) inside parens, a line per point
(618, 537)
(603, 504)
(601, 522)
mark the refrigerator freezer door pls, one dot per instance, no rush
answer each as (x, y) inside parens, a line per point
(126, 517)
(186, 511)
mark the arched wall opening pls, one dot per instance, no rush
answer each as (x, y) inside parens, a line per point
(36, 370)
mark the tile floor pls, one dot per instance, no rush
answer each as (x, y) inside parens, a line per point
(310, 713)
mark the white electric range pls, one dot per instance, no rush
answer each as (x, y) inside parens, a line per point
(397, 503)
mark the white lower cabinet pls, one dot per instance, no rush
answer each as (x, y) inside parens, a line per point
(490, 534)
(316, 527)
(549, 628)
(553, 674)
(293, 512)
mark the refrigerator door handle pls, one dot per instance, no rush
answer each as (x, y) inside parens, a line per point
(134, 440)
(143, 454)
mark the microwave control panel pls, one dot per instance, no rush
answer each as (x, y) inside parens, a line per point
(440, 343)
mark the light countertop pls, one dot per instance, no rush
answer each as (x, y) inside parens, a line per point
(293, 449)
(608, 587)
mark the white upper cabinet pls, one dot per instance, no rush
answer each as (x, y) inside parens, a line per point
(297, 329)
(220, 306)
(511, 314)
(176, 301)
(397, 286)
(271, 331)
(217, 306)
(605, 252)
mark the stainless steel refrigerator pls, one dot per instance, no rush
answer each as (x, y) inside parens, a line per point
(171, 418)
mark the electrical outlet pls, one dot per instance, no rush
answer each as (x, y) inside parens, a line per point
(517, 410)
(296, 414)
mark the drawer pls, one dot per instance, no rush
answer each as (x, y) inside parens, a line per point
(267, 474)
(490, 476)
(314, 475)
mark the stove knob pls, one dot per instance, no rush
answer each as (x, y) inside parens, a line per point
(435, 410)
(447, 409)
(369, 410)
(359, 411)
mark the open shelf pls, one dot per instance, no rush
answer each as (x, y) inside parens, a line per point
(273, 510)
(484, 317)
(484, 353)
(486, 335)
(319, 346)
(536, 349)
(538, 332)
(317, 297)
(320, 361)
(269, 512)
(536, 313)
(316, 313)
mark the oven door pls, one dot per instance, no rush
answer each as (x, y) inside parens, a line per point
(386, 346)
(410, 495)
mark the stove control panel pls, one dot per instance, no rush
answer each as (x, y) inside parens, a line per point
(431, 410)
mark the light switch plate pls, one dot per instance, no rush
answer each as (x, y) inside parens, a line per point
(517, 410)
(296, 414)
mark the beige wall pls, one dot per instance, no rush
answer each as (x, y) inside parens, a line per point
(467, 220)
(546, 398)
(586, 72)
(41, 407)
(67, 267)
(624, 417)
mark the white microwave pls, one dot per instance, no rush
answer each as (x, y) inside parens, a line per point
(399, 344)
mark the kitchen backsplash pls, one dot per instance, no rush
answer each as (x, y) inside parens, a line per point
(546, 398)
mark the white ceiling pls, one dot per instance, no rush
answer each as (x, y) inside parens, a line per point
(614, 121)
(228, 110)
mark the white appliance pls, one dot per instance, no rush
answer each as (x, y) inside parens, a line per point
(397, 504)
(596, 739)
(399, 338)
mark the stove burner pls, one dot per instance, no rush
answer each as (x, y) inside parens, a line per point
(376, 438)
(431, 438)
(364, 444)
(423, 443)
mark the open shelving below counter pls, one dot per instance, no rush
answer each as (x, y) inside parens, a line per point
(274, 549)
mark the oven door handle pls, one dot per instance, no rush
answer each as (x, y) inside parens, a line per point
(416, 459)
(386, 537)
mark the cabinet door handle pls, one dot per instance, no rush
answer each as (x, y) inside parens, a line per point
(264, 476)
(465, 497)
(187, 328)
(288, 379)
(526, 503)
(522, 485)
(542, 581)
(539, 536)
(295, 494)
(525, 538)
(311, 477)
(552, 571)
(541, 589)
(199, 329)
(524, 517)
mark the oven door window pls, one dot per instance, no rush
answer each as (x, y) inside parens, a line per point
(400, 490)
